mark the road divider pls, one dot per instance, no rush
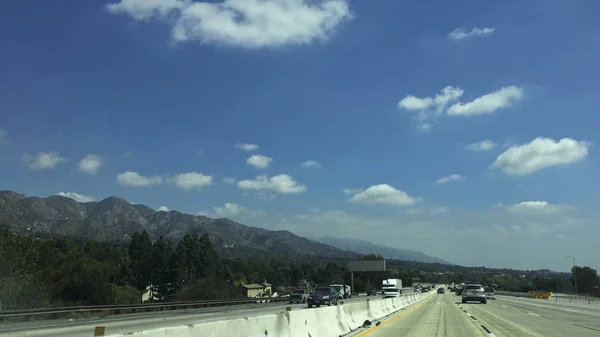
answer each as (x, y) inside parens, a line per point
(330, 321)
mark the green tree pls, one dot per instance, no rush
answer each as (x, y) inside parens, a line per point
(140, 252)
(587, 279)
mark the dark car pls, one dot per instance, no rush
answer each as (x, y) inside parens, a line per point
(459, 291)
(372, 292)
(299, 295)
(441, 291)
(323, 295)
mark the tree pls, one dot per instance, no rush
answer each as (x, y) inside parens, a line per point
(371, 256)
(161, 272)
(587, 279)
(140, 252)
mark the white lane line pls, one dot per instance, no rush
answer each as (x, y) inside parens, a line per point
(491, 334)
(531, 313)
(504, 306)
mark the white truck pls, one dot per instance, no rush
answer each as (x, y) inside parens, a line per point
(344, 290)
(391, 287)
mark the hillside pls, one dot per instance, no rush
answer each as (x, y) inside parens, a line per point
(115, 220)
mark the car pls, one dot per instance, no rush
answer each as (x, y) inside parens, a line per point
(490, 293)
(299, 296)
(417, 290)
(474, 292)
(372, 292)
(459, 291)
(441, 291)
(323, 296)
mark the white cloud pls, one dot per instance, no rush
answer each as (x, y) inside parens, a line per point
(76, 196)
(163, 209)
(450, 178)
(43, 160)
(191, 180)
(229, 209)
(439, 210)
(352, 190)
(439, 102)
(311, 163)
(539, 154)
(428, 108)
(259, 161)
(460, 33)
(90, 164)
(414, 211)
(537, 207)
(282, 183)
(484, 145)
(242, 23)
(228, 180)
(134, 179)
(246, 147)
(383, 194)
(488, 103)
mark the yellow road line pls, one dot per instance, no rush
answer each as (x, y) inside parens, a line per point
(364, 333)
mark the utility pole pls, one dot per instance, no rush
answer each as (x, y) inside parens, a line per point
(574, 271)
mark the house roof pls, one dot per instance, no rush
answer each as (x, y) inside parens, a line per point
(253, 286)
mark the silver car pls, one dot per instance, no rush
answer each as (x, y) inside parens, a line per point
(474, 292)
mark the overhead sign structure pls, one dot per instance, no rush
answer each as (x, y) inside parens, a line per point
(366, 265)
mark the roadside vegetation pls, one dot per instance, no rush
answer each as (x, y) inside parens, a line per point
(59, 271)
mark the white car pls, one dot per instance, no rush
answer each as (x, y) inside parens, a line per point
(490, 293)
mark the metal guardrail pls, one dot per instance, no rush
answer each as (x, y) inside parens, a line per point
(118, 309)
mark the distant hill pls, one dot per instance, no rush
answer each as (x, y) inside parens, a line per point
(114, 220)
(365, 247)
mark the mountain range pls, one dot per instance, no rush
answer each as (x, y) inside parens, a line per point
(366, 247)
(114, 220)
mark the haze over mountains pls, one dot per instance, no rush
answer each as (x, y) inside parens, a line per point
(366, 247)
(114, 220)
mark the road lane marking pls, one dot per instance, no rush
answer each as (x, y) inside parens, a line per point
(390, 319)
(587, 327)
(531, 313)
(488, 331)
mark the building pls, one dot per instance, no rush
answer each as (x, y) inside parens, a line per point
(257, 290)
(253, 289)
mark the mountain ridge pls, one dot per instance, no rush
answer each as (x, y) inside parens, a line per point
(365, 247)
(114, 219)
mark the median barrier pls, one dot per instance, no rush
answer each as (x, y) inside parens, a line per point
(329, 321)
(355, 314)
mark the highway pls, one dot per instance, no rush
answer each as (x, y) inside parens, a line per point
(445, 315)
(126, 323)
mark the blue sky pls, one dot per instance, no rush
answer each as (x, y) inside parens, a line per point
(147, 100)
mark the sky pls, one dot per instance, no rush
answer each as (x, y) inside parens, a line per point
(466, 130)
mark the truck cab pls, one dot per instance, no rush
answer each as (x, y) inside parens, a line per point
(343, 290)
(391, 287)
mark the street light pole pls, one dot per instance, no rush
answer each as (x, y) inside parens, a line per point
(574, 271)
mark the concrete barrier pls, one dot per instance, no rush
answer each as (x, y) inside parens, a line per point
(331, 321)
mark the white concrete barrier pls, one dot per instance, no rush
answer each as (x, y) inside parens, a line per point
(331, 321)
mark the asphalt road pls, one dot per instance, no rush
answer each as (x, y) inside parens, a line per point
(143, 321)
(445, 315)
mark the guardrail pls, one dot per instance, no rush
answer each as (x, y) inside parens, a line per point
(129, 308)
(551, 296)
